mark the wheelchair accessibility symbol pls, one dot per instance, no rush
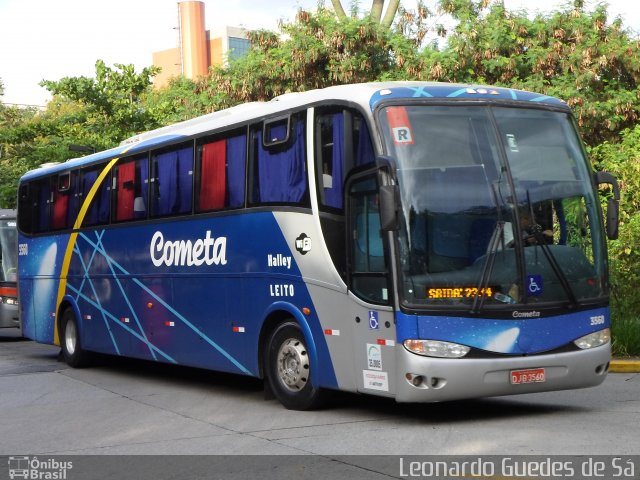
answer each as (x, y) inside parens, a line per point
(373, 320)
(534, 285)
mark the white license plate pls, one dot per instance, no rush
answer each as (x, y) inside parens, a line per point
(532, 375)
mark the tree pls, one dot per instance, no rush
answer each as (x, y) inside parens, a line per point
(375, 13)
(574, 54)
(112, 101)
(315, 51)
(623, 160)
(99, 112)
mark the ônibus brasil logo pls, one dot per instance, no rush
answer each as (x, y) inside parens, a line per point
(33, 468)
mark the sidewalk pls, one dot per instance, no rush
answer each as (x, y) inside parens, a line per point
(625, 365)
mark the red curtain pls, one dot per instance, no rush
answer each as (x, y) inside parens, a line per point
(60, 208)
(126, 191)
(213, 181)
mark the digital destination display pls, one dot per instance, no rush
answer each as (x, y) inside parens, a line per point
(459, 292)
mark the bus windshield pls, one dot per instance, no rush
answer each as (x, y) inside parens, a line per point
(8, 251)
(498, 207)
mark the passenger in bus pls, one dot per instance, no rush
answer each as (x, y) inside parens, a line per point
(535, 229)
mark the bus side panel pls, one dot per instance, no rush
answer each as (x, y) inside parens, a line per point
(26, 307)
(39, 265)
(190, 291)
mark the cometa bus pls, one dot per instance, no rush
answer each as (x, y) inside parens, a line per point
(420, 241)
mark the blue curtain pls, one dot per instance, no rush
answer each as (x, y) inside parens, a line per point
(74, 201)
(102, 198)
(174, 182)
(88, 179)
(281, 174)
(236, 153)
(166, 176)
(333, 196)
(43, 207)
(364, 152)
(185, 180)
(143, 174)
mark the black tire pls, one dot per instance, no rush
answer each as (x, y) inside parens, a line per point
(288, 368)
(74, 355)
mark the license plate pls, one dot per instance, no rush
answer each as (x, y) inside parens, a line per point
(532, 375)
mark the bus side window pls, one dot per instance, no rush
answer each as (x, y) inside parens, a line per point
(25, 207)
(369, 276)
(330, 134)
(41, 205)
(343, 142)
(221, 173)
(61, 195)
(279, 173)
(98, 213)
(363, 147)
(130, 189)
(173, 181)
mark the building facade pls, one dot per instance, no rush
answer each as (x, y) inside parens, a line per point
(198, 48)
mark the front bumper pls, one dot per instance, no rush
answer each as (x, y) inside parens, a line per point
(455, 379)
(9, 316)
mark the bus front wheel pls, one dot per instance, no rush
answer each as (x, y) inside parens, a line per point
(288, 368)
(70, 342)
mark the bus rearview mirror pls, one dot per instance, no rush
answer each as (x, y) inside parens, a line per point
(389, 208)
(613, 204)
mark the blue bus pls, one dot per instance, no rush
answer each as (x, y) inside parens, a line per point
(420, 241)
(8, 269)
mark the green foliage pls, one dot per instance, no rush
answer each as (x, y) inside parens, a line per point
(572, 53)
(623, 160)
(112, 101)
(181, 100)
(317, 51)
(96, 112)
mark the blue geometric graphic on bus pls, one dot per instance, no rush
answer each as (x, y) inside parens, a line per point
(535, 287)
(88, 293)
(527, 333)
(140, 294)
(444, 91)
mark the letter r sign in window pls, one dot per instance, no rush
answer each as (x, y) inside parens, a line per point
(400, 125)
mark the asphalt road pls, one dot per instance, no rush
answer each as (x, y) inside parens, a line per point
(130, 407)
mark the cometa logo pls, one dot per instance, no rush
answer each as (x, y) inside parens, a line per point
(207, 250)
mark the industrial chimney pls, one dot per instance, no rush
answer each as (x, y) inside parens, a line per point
(193, 39)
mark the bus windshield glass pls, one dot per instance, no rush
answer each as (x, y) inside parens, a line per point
(498, 207)
(8, 251)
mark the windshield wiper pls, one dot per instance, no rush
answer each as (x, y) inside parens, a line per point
(487, 268)
(536, 231)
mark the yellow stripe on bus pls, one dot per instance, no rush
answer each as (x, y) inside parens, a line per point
(62, 286)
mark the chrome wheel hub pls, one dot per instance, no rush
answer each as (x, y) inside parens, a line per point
(293, 365)
(70, 337)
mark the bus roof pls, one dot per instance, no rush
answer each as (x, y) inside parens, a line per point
(365, 94)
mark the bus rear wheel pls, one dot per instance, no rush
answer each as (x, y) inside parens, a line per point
(288, 369)
(72, 350)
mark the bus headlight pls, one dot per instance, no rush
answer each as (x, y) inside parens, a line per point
(9, 300)
(594, 339)
(436, 348)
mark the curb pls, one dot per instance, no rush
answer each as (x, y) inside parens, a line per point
(625, 365)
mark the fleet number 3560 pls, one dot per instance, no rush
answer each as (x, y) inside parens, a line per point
(597, 320)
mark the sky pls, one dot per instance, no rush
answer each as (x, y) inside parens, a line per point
(52, 39)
